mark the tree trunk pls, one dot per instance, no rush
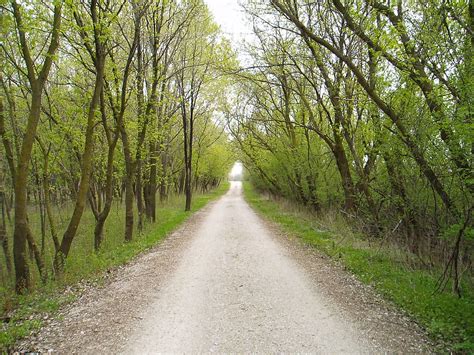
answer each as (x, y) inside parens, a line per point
(129, 194)
(344, 171)
(164, 177)
(187, 186)
(187, 155)
(404, 206)
(22, 230)
(139, 192)
(142, 122)
(109, 188)
(151, 186)
(3, 229)
(86, 170)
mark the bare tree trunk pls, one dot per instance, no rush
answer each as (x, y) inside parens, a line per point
(344, 171)
(164, 183)
(187, 162)
(141, 128)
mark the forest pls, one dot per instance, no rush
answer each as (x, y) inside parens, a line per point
(365, 109)
(104, 104)
(111, 110)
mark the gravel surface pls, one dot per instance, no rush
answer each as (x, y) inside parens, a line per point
(227, 281)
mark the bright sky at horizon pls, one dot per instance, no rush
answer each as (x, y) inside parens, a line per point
(237, 169)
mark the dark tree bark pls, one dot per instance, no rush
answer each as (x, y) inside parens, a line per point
(22, 231)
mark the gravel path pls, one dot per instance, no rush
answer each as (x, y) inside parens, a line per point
(230, 282)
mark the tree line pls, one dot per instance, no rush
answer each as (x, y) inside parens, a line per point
(365, 107)
(103, 101)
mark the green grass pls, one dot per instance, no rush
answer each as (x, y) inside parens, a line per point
(83, 265)
(447, 319)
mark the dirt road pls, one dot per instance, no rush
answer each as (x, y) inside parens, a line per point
(230, 282)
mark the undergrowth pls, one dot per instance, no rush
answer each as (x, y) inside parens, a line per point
(449, 320)
(22, 315)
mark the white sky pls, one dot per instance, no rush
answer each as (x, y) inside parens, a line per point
(237, 169)
(230, 16)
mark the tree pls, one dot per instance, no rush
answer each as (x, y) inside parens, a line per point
(196, 57)
(37, 77)
(97, 54)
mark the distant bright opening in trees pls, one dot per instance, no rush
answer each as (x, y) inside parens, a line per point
(236, 172)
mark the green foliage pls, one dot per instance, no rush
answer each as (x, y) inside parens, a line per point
(447, 318)
(134, 124)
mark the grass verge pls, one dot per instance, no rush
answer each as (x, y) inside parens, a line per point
(448, 319)
(22, 315)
